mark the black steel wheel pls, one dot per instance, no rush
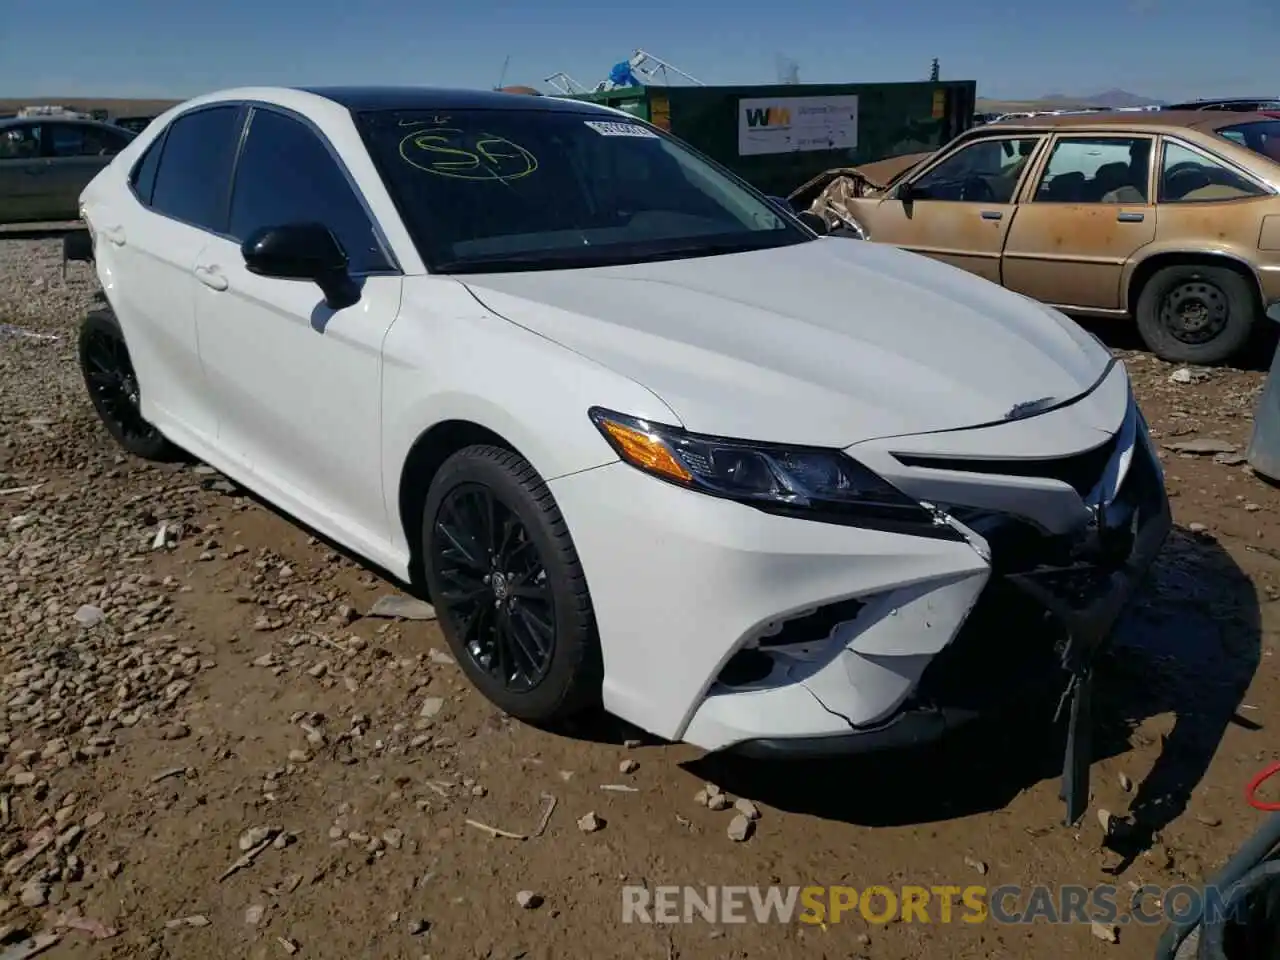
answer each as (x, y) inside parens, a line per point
(508, 587)
(1197, 314)
(113, 388)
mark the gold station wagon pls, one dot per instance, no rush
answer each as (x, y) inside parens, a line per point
(1170, 217)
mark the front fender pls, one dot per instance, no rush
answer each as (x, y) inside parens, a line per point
(449, 358)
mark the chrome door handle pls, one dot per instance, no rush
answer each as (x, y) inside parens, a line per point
(1125, 216)
(992, 215)
(211, 277)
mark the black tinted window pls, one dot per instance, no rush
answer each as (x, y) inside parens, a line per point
(528, 189)
(191, 184)
(286, 174)
(143, 177)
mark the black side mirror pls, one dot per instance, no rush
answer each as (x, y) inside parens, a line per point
(303, 251)
(905, 192)
(813, 222)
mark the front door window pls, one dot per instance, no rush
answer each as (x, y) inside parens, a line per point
(987, 171)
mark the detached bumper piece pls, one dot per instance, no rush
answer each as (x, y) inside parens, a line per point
(1086, 598)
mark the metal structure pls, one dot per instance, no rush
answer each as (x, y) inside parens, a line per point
(640, 69)
(875, 121)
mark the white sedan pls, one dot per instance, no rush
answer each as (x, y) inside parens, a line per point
(644, 438)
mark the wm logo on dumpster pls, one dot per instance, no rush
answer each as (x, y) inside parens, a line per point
(768, 117)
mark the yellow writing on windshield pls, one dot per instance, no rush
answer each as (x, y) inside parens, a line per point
(457, 154)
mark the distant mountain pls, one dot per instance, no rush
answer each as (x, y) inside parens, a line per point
(1111, 99)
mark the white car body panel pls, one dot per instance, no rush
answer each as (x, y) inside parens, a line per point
(823, 343)
(830, 343)
(295, 383)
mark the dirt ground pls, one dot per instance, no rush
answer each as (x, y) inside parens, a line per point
(167, 700)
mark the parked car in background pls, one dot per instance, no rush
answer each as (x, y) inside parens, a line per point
(1169, 218)
(1267, 105)
(644, 438)
(45, 163)
(133, 124)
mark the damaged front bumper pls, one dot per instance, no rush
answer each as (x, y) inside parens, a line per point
(1049, 605)
(734, 629)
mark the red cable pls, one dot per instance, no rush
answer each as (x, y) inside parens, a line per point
(1251, 790)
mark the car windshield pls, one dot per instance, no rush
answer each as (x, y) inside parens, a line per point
(1260, 136)
(488, 190)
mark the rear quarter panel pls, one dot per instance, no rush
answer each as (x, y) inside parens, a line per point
(1231, 228)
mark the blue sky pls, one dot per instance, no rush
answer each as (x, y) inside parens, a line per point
(178, 48)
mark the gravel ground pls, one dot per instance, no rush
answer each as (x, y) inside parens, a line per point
(213, 747)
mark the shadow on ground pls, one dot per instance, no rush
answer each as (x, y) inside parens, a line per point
(1189, 647)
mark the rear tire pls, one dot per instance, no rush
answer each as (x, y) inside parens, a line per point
(1191, 313)
(508, 587)
(114, 391)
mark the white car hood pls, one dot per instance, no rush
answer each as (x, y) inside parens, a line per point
(825, 343)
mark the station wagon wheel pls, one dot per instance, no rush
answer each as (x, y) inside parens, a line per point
(1194, 311)
(1191, 313)
(508, 587)
(113, 388)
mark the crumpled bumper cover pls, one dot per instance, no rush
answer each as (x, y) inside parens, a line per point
(1084, 590)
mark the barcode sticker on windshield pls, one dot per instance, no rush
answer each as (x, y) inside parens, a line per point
(609, 128)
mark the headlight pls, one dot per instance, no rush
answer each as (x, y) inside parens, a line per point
(805, 482)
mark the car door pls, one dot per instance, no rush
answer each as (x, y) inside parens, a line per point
(960, 207)
(23, 172)
(1089, 214)
(76, 153)
(298, 385)
(149, 240)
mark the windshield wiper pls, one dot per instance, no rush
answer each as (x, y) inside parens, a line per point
(579, 257)
(527, 261)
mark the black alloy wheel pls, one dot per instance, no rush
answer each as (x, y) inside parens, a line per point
(113, 388)
(495, 588)
(508, 587)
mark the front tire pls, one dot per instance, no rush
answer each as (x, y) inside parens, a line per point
(113, 388)
(1197, 314)
(508, 587)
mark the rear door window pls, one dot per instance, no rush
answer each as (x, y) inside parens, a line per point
(1097, 170)
(194, 175)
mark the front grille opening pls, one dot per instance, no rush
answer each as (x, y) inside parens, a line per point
(1080, 471)
(816, 626)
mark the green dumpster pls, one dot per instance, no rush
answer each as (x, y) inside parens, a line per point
(777, 136)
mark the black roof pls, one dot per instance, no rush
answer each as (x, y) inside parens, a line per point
(360, 99)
